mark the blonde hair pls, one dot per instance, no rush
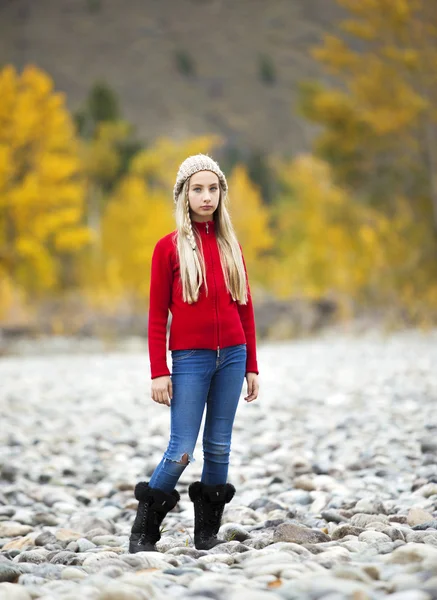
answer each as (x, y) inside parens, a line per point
(190, 252)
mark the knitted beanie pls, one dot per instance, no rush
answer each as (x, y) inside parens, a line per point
(193, 164)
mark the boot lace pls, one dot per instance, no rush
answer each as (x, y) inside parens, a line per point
(211, 520)
(143, 535)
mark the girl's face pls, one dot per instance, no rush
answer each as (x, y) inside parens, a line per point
(203, 195)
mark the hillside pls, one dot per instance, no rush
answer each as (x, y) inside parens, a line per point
(135, 45)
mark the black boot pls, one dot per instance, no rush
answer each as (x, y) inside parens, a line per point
(209, 503)
(153, 505)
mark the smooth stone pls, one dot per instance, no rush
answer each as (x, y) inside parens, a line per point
(109, 540)
(28, 541)
(45, 518)
(56, 496)
(320, 500)
(373, 537)
(428, 445)
(353, 545)
(167, 543)
(12, 591)
(67, 535)
(332, 516)
(426, 525)
(259, 559)
(214, 558)
(118, 590)
(401, 519)
(185, 551)
(430, 586)
(110, 512)
(411, 595)
(83, 545)
(73, 574)
(232, 547)
(85, 524)
(114, 571)
(362, 519)
(28, 580)
(369, 506)
(241, 514)
(412, 553)
(332, 556)
(9, 572)
(234, 531)
(417, 516)
(304, 482)
(295, 497)
(91, 559)
(427, 490)
(32, 556)
(394, 533)
(288, 532)
(260, 541)
(284, 547)
(352, 572)
(143, 582)
(405, 581)
(95, 532)
(44, 538)
(11, 529)
(108, 564)
(23, 516)
(343, 530)
(318, 587)
(63, 558)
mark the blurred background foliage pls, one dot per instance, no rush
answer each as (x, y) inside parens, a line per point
(351, 221)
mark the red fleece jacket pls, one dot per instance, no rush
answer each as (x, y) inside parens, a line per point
(215, 321)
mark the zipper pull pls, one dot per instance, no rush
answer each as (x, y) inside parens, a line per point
(218, 351)
(207, 228)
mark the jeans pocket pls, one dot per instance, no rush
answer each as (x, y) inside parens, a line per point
(178, 355)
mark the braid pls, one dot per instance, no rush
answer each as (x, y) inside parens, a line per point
(188, 226)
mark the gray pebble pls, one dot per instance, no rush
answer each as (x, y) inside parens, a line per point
(9, 572)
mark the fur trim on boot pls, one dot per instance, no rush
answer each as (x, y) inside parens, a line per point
(153, 505)
(209, 502)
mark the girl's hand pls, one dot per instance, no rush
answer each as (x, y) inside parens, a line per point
(252, 387)
(162, 390)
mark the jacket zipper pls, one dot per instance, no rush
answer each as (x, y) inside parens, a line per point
(215, 285)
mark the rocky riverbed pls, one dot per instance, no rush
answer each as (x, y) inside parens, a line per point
(335, 467)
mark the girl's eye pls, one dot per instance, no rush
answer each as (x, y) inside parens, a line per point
(214, 188)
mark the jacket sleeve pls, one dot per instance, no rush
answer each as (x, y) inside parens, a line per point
(160, 296)
(247, 318)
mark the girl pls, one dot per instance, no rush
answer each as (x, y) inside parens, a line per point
(199, 274)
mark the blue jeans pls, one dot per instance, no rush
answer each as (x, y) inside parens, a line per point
(201, 378)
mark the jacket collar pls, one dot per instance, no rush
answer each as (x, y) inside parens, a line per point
(204, 227)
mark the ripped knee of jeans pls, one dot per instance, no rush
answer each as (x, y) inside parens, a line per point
(185, 459)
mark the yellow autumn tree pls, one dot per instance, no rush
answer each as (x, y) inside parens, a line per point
(326, 245)
(379, 124)
(329, 246)
(250, 218)
(135, 218)
(41, 193)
